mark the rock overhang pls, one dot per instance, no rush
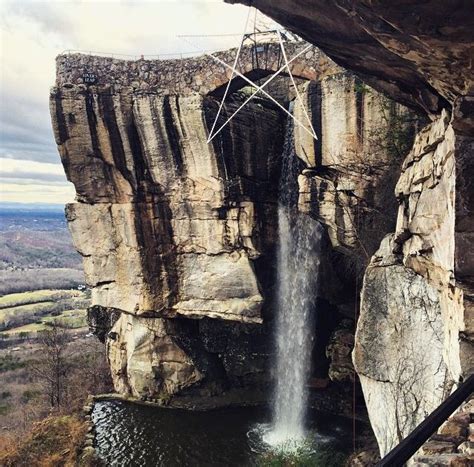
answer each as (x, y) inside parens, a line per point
(419, 53)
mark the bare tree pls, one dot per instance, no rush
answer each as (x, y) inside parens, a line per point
(52, 367)
(89, 373)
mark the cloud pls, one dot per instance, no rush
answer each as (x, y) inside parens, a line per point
(31, 182)
(35, 193)
(11, 167)
(32, 178)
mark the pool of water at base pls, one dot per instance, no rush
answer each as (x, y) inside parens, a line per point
(137, 435)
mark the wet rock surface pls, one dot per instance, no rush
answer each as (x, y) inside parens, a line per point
(179, 236)
(420, 54)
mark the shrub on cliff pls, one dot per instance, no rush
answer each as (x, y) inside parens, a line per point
(54, 441)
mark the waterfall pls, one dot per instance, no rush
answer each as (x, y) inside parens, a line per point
(298, 264)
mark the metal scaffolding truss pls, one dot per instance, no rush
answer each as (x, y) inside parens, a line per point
(257, 36)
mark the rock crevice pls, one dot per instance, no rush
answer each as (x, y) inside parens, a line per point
(179, 236)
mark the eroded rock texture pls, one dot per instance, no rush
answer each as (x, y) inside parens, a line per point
(424, 331)
(161, 192)
(415, 333)
(420, 53)
(166, 225)
(178, 236)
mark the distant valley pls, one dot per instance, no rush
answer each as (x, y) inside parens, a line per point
(36, 251)
(41, 291)
(41, 278)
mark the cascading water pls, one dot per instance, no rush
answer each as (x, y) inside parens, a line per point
(298, 265)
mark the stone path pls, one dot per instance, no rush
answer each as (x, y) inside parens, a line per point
(453, 444)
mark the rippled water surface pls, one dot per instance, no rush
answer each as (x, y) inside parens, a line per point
(134, 435)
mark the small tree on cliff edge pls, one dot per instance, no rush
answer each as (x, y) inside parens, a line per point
(52, 368)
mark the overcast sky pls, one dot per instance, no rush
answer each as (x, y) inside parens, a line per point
(33, 33)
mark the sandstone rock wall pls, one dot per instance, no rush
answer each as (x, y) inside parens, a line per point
(355, 160)
(416, 310)
(178, 236)
(414, 336)
(162, 200)
(168, 225)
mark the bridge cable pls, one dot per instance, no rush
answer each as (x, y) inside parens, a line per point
(294, 85)
(230, 80)
(260, 88)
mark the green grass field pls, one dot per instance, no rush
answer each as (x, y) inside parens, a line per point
(31, 312)
(71, 319)
(27, 328)
(37, 296)
(24, 314)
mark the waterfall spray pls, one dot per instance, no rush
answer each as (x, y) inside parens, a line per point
(298, 264)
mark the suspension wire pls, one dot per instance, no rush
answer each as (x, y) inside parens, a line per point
(294, 85)
(209, 35)
(247, 80)
(231, 77)
(354, 383)
(257, 89)
(255, 38)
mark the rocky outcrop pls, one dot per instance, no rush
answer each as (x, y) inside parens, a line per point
(169, 227)
(418, 288)
(419, 53)
(420, 346)
(400, 359)
(364, 137)
(178, 236)
(160, 200)
(173, 231)
(339, 352)
(147, 360)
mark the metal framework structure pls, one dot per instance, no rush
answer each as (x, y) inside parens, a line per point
(281, 36)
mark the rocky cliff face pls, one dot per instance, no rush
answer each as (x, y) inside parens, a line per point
(415, 334)
(423, 329)
(178, 236)
(418, 52)
(166, 202)
(170, 229)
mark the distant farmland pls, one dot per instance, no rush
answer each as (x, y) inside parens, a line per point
(35, 311)
(36, 250)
